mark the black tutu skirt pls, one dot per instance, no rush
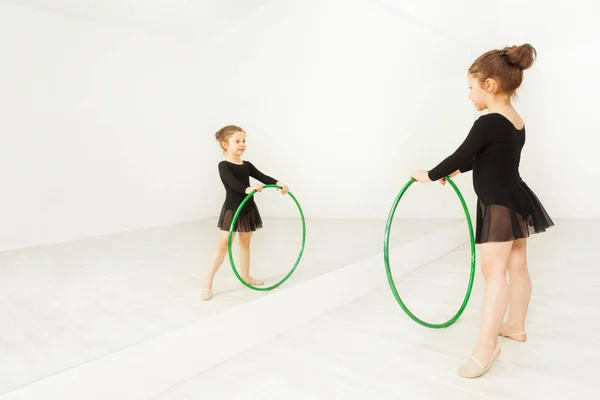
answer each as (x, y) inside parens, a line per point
(513, 214)
(248, 221)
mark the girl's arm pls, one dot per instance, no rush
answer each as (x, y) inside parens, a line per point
(467, 167)
(230, 179)
(462, 158)
(256, 174)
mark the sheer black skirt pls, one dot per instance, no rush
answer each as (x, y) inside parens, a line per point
(248, 221)
(515, 214)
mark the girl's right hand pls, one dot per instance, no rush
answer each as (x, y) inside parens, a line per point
(258, 188)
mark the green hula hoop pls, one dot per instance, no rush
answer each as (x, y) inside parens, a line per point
(231, 230)
(389, 272)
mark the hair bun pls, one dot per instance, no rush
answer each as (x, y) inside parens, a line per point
(521, 56)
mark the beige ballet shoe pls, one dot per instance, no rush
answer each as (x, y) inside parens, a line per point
(206, 294)
(470, 371)
(254, 282)
(510, 336)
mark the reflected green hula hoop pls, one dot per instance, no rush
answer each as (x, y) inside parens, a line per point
(231, 231)
(388, 271)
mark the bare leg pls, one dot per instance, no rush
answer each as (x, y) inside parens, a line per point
(244, 240)
(519, 292)
(494, 263)
(216, 262)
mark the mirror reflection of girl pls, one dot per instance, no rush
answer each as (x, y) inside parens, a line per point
(235, 175)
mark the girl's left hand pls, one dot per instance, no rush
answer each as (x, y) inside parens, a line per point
(284, 189)
(420, 175)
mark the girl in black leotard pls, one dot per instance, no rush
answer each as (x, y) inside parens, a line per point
(235, 175)
(507, 209)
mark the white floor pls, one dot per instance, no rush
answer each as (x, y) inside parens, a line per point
(368, 349)
(68, 306)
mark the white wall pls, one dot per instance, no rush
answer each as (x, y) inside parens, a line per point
(341, 100)
(99, 130)
(179, 19)
(106, 129)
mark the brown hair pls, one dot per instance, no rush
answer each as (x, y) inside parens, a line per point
(225, 133)
(505, 66)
